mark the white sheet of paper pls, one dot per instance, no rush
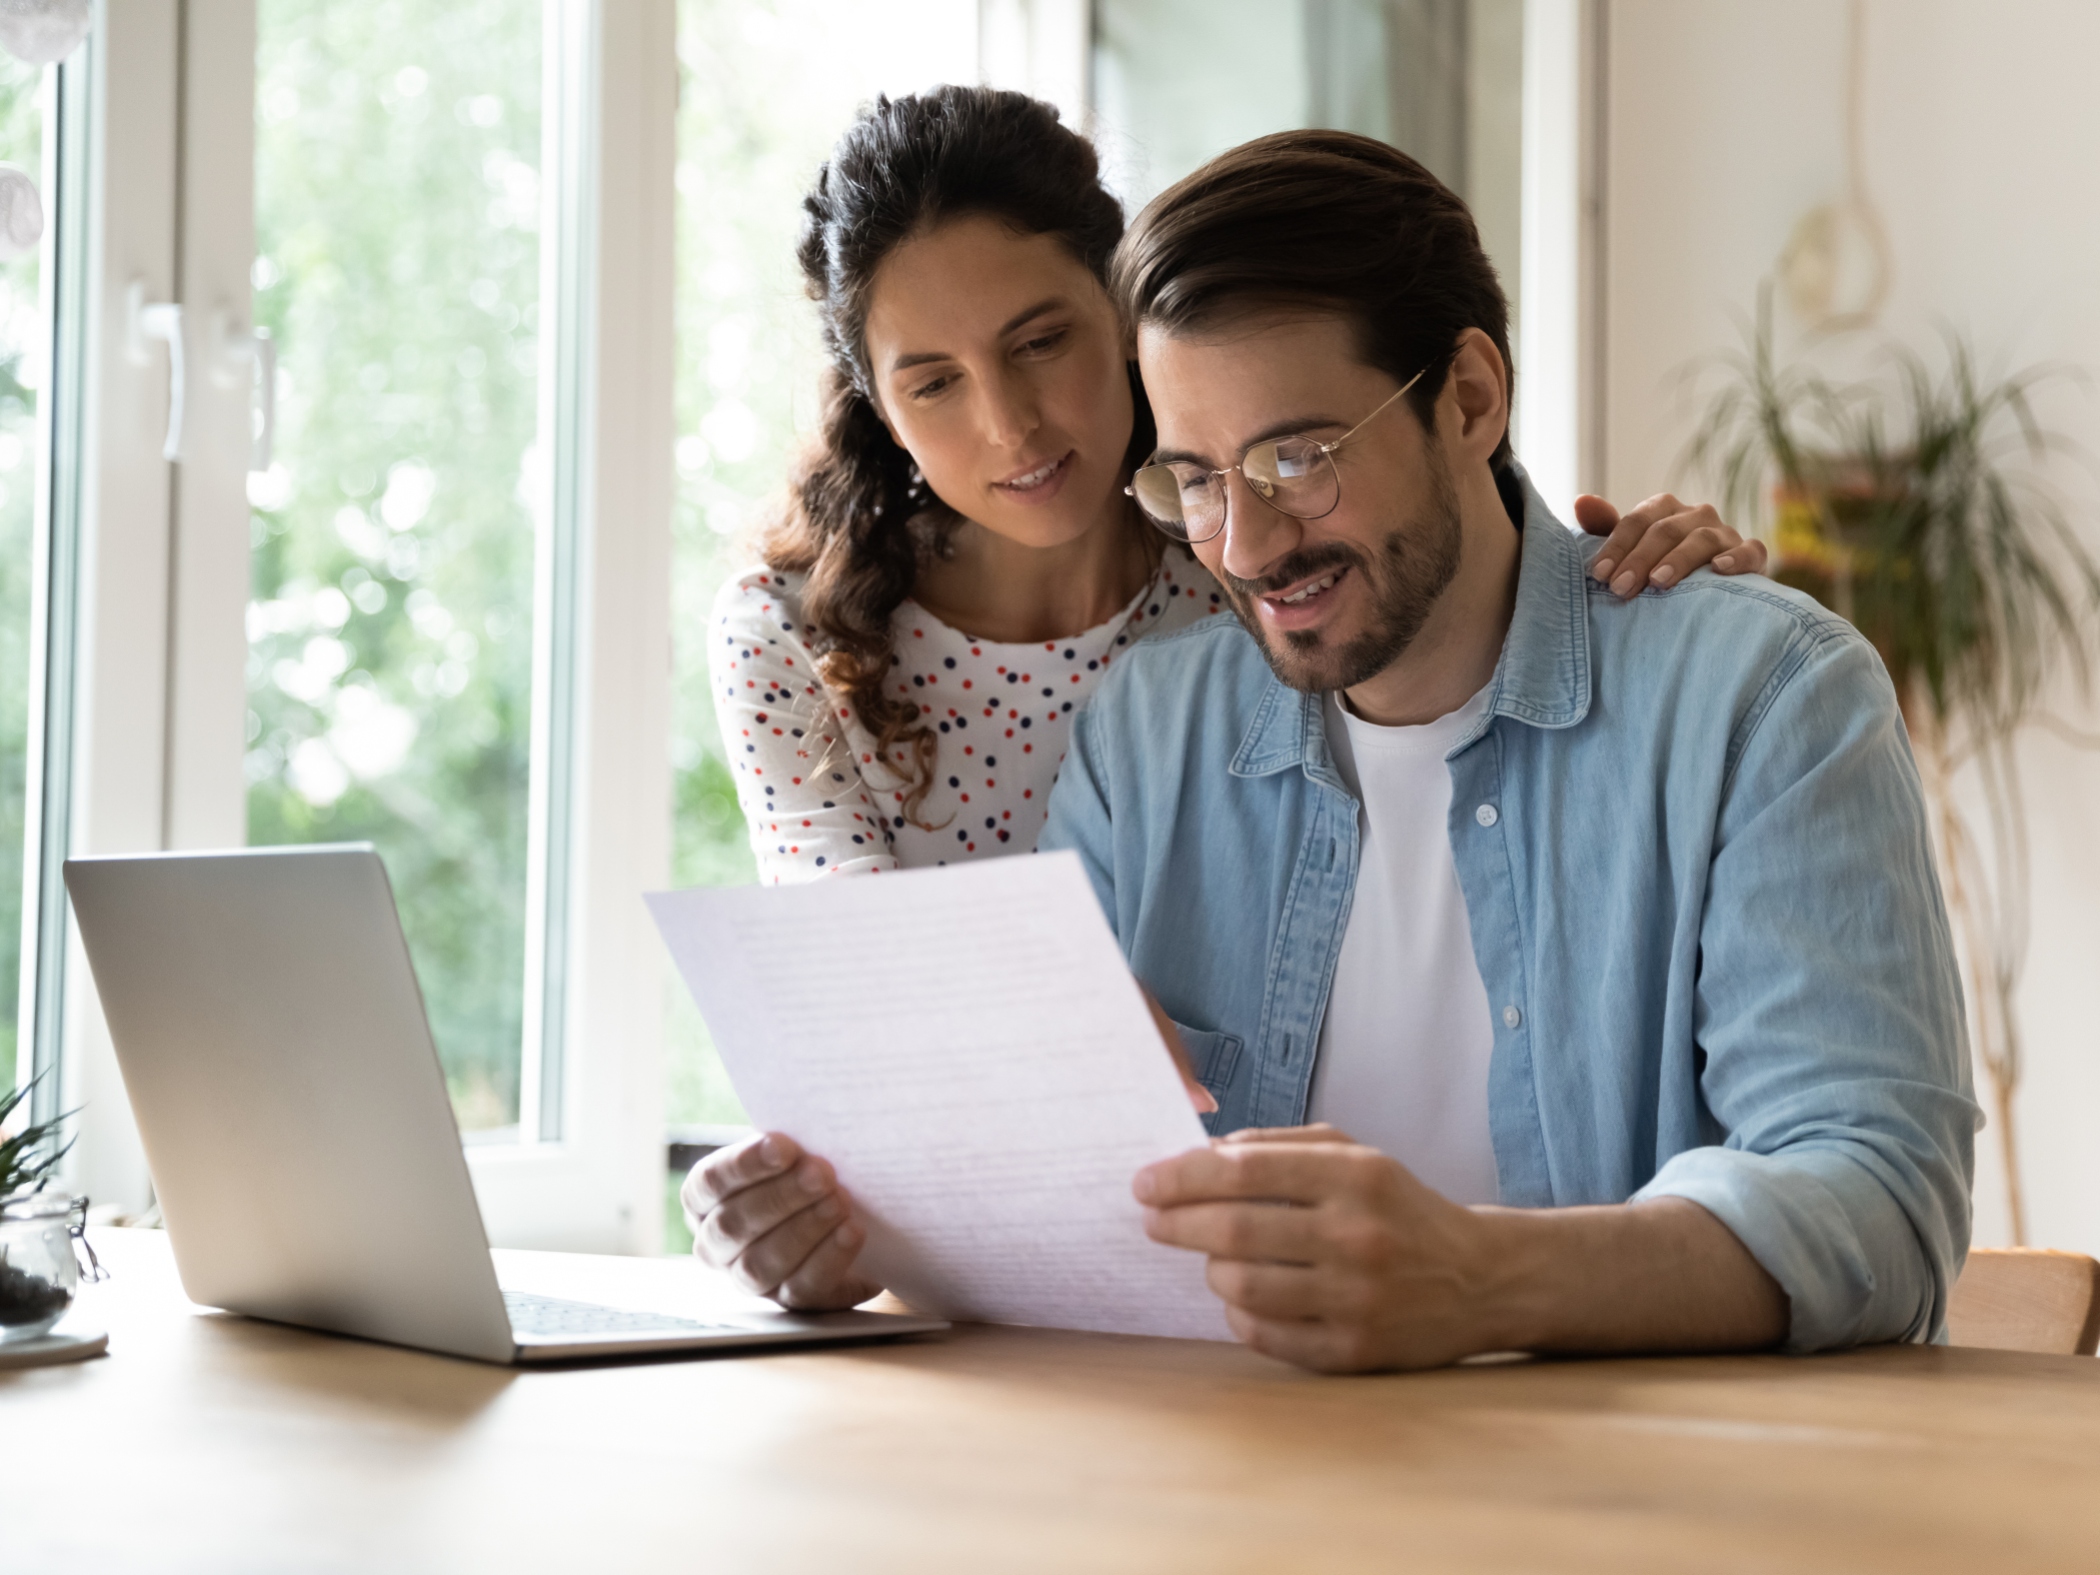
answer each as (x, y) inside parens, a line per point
(967, 1047)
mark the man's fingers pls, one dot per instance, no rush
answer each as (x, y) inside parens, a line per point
(729, 1170)
(742, 1218)
(1266, 1290)
(1264, 1232)
(1277, 1172)
(1309, 1343)
(1316, 1132)
(765, 1264)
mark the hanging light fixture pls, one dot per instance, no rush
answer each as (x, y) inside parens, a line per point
(43, 32)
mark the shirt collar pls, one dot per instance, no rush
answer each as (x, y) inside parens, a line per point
(1542, 677)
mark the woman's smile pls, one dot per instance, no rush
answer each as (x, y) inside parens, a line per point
(1040, 483)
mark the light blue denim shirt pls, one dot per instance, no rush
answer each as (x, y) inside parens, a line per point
(1695, 861)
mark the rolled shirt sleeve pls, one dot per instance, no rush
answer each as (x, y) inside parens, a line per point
(1829, 1016)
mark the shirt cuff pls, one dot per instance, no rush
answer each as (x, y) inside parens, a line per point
(1807, 1218)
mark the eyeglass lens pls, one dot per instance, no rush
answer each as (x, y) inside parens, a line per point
(1293, 475)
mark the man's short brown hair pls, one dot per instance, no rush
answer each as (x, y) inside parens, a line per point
(1324, 220)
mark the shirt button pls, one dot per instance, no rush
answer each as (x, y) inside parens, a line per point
(1511, 1017)
(1486, 815)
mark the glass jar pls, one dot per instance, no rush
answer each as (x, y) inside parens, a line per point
(38, 1272)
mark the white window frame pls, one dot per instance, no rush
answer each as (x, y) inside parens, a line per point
(158, 660)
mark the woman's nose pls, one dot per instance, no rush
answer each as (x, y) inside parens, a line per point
(1009, 412)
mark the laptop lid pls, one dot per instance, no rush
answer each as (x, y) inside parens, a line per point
(272, 1038)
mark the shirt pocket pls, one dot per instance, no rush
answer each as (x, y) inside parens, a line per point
(1213, 1057)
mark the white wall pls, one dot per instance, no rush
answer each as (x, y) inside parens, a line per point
(1725, 123)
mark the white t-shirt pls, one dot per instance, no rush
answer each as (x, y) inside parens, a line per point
(1403, 1059)
(816, 797)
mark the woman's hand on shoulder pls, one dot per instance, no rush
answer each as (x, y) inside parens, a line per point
(1662, 541)
(778, 1220)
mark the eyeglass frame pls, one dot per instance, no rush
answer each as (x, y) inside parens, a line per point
(1325, 450)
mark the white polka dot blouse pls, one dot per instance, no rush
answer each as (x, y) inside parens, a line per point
(815, 796)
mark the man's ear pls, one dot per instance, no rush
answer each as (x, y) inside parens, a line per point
(1478, 387)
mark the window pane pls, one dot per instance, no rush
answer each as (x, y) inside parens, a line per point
(1176, 84)
(24, 341)
(390, 631)
(767, 86)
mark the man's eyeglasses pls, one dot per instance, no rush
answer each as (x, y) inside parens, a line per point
(1293, 475)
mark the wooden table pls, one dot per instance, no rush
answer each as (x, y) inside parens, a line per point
(204, 1442)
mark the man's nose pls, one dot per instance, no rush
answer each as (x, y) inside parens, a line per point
(1257, 533)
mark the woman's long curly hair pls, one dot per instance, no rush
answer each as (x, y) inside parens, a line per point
(858, 521)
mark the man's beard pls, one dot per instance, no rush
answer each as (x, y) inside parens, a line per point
(1414, 565)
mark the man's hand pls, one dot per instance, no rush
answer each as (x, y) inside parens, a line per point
(778, 1220)
(1662, 541)
(1330, 1255)
(1326, 1253)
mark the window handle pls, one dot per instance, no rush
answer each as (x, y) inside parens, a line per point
(248, 355)
(157, 320)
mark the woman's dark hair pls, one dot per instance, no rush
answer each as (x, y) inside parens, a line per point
(857, 523)
(1330, 221)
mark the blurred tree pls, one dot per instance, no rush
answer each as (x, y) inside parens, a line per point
(389, 673)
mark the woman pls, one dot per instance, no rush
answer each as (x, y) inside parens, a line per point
(959, 565)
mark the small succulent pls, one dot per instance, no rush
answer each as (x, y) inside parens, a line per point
(28, 1158)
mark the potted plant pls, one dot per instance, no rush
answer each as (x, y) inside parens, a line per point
(1913, 505)
(38, 1271)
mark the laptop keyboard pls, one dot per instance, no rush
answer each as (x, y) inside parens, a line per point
(549, 1315)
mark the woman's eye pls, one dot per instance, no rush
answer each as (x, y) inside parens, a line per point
(928, 390)
(1042, 342)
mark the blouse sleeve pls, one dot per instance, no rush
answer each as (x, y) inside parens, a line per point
(805, 805)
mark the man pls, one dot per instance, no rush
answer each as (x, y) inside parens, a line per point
(1699, 1081)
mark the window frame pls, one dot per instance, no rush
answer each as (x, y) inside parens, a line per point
(152, 732)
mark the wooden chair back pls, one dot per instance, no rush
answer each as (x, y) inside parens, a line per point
(2026, 1299)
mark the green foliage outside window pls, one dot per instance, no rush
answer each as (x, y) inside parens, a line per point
(390, 630)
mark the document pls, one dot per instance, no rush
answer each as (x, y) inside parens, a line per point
(967, 1047)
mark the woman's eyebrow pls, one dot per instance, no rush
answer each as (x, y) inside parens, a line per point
(924, 357)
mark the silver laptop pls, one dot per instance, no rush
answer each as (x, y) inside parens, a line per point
(272, 1038)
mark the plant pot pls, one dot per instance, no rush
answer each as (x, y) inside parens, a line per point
(38, 1272)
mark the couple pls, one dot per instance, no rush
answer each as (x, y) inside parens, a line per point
(1341, 835)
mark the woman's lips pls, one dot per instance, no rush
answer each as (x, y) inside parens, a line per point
(1039, 483)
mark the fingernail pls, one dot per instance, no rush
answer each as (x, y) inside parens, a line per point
(1623, 585)
(828, 1211)
(1601, 569)
(769, 1150)
(811, 1180)
(1725, 561)
(1142, 1186)
(1663, 575)
(847, 1236)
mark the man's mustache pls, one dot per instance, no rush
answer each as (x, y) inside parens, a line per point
(1299, 566)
